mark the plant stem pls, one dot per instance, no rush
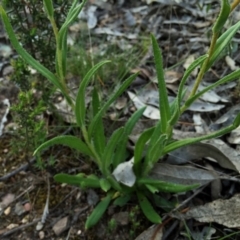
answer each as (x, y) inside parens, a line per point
(234, 4)
(202, 69)
(59, 69)
(91, 147)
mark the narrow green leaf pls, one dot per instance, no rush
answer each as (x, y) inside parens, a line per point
(236, 121)
(155, 136)
(98, 211)
(111, 99)
(175, 145)
(105, 184)
(222, 42)
(98, 136)
(151, 188)
(69, 179)
(90, 183)
(80, 109)
(163, 96)
(133, 120)
(62, 34)
(139, 149)
(111, 147)
(156, 150)
(187, 73)
(66, 140)
(181, 91)
(95, 102)
(166, 186)
(48, 7)
(73, 6)
(122, 200)
(25, 55)
(93, 176)
(175, 112)
(148, 209)
(230, 77)
(223, 16)
(161, 202)
(64, 49)
(71, 16)
(114, 183)
(122, 148)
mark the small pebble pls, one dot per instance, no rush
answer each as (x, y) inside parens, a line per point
(41, 234)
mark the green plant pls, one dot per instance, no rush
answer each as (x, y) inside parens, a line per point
(31, 125)
(134, 221)
(122, 179)
(34, 32)
(82, 58)
(112, 225)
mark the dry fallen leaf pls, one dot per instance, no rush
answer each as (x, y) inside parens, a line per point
(226, 157)
(150, 111)
(188, 62)
(234, 137)
(231, 159)
(224, 212)
(200, 106)
(121, 103)
(152, 233)
(231, 63)
(200, 124)
(226, 119)
(172, 76)
(186, 175)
